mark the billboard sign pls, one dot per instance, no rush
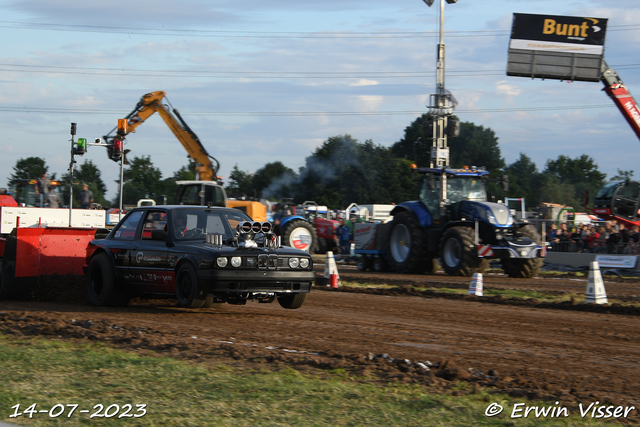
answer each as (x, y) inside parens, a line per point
(556, 47)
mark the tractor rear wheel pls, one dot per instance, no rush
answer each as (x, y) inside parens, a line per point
(405, 244)
(459, 256)
(300, 234)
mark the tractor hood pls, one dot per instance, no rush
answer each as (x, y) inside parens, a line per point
(496, 214)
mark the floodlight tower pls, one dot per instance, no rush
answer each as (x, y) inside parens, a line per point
(441, 105)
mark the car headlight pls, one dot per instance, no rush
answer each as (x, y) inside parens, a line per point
(304, 262)
(222, 262)
(236, 261)
(294, 262)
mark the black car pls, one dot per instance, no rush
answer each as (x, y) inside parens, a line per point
(204, 256)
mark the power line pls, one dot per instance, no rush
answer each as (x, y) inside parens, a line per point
(101, 71)
(305, 113)
(266, 34)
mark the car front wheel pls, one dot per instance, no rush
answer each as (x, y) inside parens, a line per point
(292, 301)
(188, 291)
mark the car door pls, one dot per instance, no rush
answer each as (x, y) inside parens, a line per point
(149, 258)
(120, 244)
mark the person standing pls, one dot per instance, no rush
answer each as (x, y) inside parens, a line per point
(342, 233)
(42, 188)
(53, 201)
(86, 197)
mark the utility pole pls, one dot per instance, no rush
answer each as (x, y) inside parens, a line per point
(441, 105)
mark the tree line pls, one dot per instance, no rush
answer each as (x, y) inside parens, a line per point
(344, 170)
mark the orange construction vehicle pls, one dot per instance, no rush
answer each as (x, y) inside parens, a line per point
(207, 189)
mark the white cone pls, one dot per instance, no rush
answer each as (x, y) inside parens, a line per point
(595, 286)
(475, 287)
(330, 266)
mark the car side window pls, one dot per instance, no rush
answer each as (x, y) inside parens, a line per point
(155, 220)
(127, 230)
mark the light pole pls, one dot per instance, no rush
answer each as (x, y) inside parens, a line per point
(441, 103)
(441, 106)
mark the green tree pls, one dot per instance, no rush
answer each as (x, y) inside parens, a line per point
(523, 178)
(416, 143)
(475, 146)
(554, 190)
(142, 180)
(273, 180)
(581, 173)
(343, 170)
(29, 168)
(87, 173)
(622, 175)
(239, 181)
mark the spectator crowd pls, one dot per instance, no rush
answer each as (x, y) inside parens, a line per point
(609, 237)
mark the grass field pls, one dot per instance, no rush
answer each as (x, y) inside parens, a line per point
(57, 374)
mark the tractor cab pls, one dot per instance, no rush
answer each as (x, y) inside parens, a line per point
(24, 191)
(200, 193)
(618, 199)
(461, 185)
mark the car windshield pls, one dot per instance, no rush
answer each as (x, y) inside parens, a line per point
(195, 224)
(606, 192)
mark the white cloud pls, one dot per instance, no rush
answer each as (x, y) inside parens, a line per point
(364, 82)
(507, 89)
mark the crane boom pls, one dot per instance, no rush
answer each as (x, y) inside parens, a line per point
(206, 165)
(616, 89)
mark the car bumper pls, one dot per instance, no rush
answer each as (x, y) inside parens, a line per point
(256, 280)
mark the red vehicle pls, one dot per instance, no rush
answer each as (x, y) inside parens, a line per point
(619, 200)
(616, 89)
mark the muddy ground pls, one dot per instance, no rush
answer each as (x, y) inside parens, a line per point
(569, 352)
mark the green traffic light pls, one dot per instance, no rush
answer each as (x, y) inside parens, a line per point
(81, 146)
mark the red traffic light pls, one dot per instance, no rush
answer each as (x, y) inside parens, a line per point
(118, 147)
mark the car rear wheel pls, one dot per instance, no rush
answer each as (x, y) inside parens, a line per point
(292, 301)
(188, 291)
(101, 283)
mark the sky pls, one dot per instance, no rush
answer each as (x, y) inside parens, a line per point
(261, 82)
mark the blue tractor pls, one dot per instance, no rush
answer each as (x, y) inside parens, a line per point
(454, 223)
(296, 225)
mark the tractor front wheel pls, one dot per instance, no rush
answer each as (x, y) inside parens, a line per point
(459, 256)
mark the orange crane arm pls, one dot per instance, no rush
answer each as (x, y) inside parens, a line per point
(206, 166)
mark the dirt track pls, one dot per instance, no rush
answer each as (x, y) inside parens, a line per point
(568, 355)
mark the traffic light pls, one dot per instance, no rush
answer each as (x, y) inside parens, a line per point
(427, 128)
(118, 147)
(81, 147)
(453, 128)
